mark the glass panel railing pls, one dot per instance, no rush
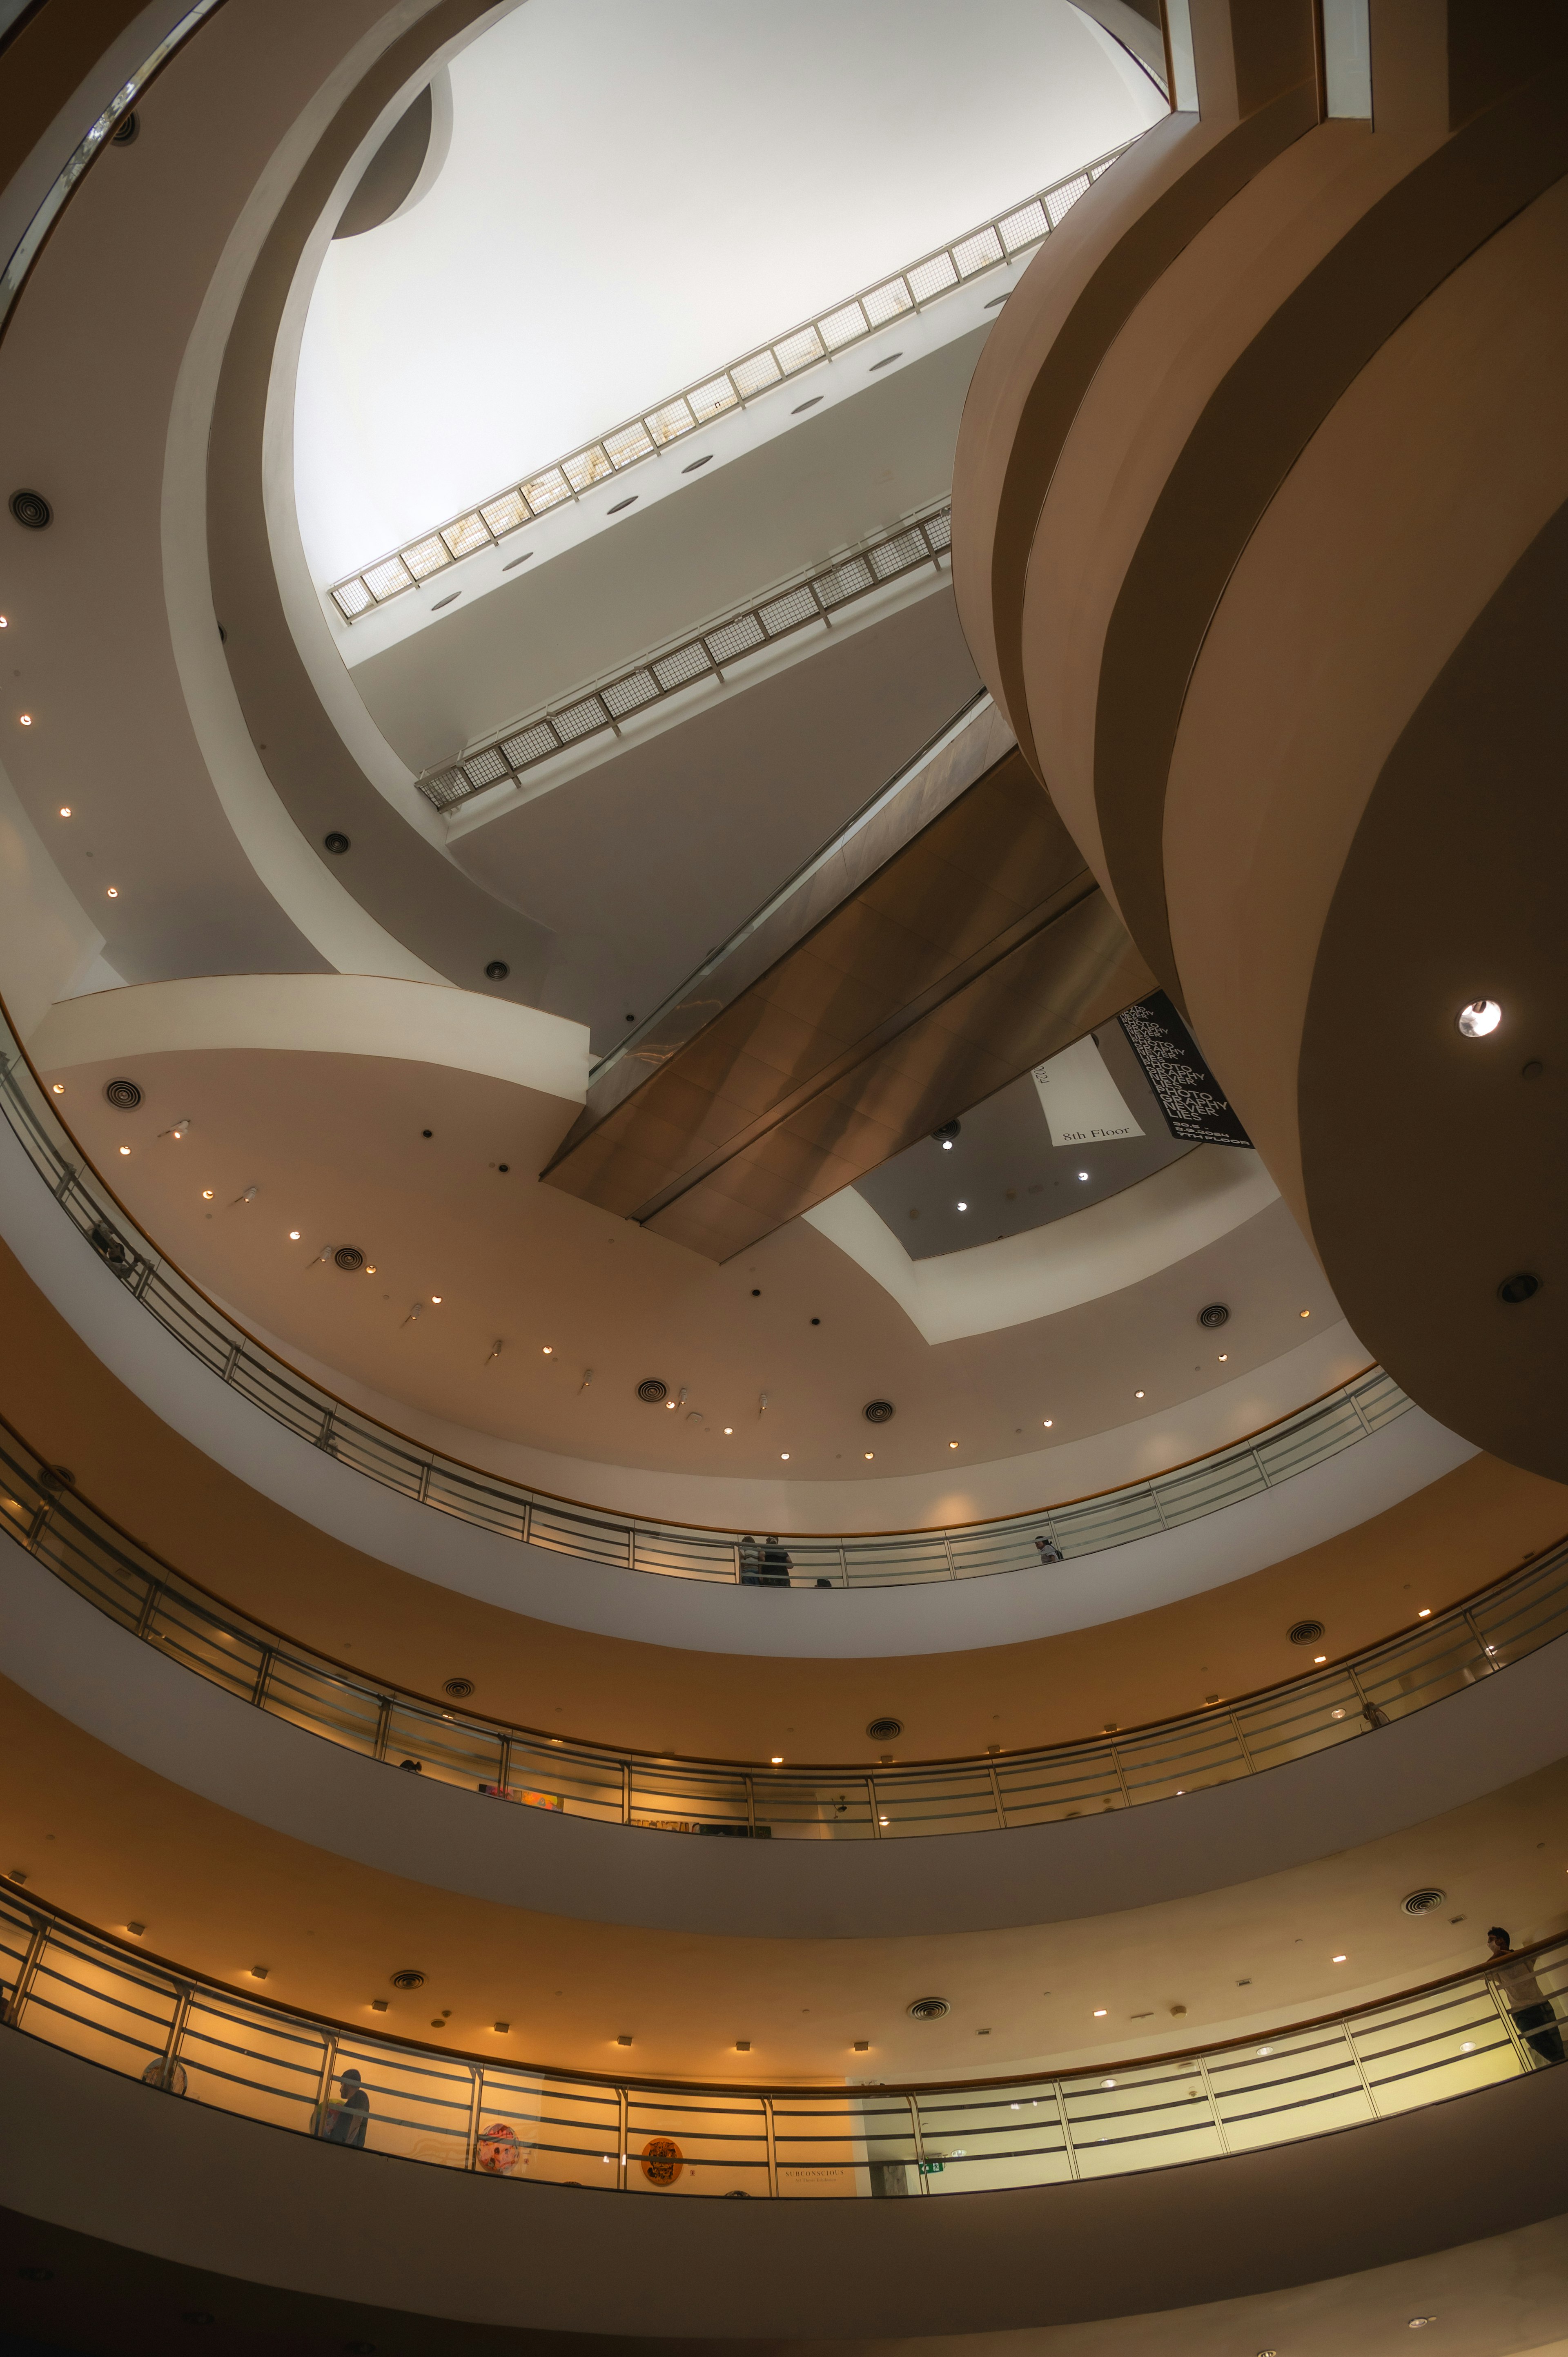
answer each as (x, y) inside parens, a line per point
(761, 1801)
(182, 2037)
(671, 1550)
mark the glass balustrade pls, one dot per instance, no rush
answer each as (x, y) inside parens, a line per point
(187, 2039)
(1079, 1527)
(1242, 1737)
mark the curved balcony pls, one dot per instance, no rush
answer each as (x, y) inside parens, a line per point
(1333, 1703)
(144, 2017)
(1067, 1531)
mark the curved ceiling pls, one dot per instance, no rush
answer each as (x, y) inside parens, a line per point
(698, 180)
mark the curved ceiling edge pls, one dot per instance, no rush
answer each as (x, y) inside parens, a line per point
(401, 883)
(151, 1709)
(1166, 1218)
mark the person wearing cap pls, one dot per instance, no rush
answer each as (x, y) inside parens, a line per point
(345, 2122)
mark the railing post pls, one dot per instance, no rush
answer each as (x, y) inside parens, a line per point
(476, 2113)
(505, 1765)
(1482, 1647)
(324, 2084)
(1499, 2004)
(327, 1423)
(1065, 2124)
(625, 1791)
(383, 1726)
(1159, 1507)
(947, 1549)
(844, 1565)
(771, 2133)
(230, 1362)
(423, 1480)
(1120, 1774)
(39, 1523)
(1367, 2088)
(527, 1523)
(876, 1808)
(1263, 1474)
(1235, 1718)
(913, 2101)
(623, 2137)
(184, 1995)
(996, 1796)
(28, 1970)
(264, 1677)
(1213, 2102)
(150, 1603)
(751, 1806)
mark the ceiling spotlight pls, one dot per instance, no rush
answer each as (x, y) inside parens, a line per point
(1337, 1960)
(436, 1297)
(784, 1457)
(1223, 1356)
(58, 1089)
(964, 1207)
(548, 1349)
(1480, 1019)
(113, 892)
(947, 1146)
(1305, 1313)
(777, 1761)
(1100, 2012)
(370, 1269)
(1083, 1174)
(207, 1194)
(65, 809)
(869, 1454)
(25, 718)
(952, 1444)
(293, 1235)
(1137, 1395)
(125, 1149)
(1049, 1420)
(1425, 1612)
(1318, 1659)
(729, 1431)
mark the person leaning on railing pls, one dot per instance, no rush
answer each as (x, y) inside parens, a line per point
(1522, 1994)
(345, 2122)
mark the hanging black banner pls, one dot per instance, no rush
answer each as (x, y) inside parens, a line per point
(1194, 1104)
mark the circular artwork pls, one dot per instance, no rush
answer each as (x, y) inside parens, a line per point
(661, 2161)
(498, 2149)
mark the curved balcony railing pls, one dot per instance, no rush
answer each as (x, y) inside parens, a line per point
(1078, 1526)
(1333, 1704)
(196, 2040)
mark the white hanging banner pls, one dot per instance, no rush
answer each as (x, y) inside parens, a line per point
(1082, 1102)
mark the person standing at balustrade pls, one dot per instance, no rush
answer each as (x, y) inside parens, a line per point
(1522, 1994)
(775, 1566)
(345, 2122)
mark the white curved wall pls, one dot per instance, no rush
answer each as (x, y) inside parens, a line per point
(955, 1616)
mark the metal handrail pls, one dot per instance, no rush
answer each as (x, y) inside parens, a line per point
(195, 2038)
(805, 599)
(675, 1792)
(727, 391)
(1075, 1527)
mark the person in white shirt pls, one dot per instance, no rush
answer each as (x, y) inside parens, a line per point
(1532, 2009)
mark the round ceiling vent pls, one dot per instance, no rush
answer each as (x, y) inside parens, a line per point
(459, 1688)
(1422, 1902)
(126, 130)
(948, 1131)
(336, 842)
(408, 1979)
(878, 1411)
(928, 2008)
(31, 508)
(883, 1730)
(651, 1391)
(351, 1257)
(124, 1095)
(1215, 1315)
(1521, 1287)
(497, 970)
(1305, 1632)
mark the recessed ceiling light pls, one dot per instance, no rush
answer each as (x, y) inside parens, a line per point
(1318, 1659)
(58, 1089)
(869, 1454)
(777, 1761)
(113, 892)
(125, 1149)
(784, 1457)
(1083, 1174)
(1223, 1356)
(1480, 1018)
(65, 809)
(293, 1235)
(207, 1194)
(436, 1297)
(1100, 2012)
(964, 1207)
(1425, 1612)
(952, 1444)
(947, 1146)
(1306, 1313)
(1049, 1420)
(25, 718)
(1137, 1395)
(370, 1269)
(729, 1431)
(1337, 1960)
(548, 1349)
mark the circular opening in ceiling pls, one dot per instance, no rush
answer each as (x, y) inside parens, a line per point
(124, 1095)
(127, 129)
(878, 1411)
(1521, 1287)
(1480, 1019)
(928, 2008)
(350, 1257)
(1306, 1633)
(497, 970)
(31, 509)
(651, 1391)
(883, 1730)
(336, 842)
(1422, 1902)
(1215, 1315)
(408, 1979)
(459, 1688)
